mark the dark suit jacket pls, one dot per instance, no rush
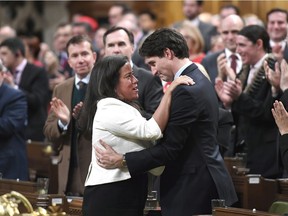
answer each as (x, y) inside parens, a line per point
(13, 118)
(34, 84)
(150, 90)
(283, 144)
(285, 54)
(195, 172)
(210, 64)
(256, 125)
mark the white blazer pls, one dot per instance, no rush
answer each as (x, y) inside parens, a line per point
(122, 127)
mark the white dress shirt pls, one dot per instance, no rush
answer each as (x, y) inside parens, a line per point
(122, 127)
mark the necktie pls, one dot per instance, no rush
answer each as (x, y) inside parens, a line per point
(233, 62)
(81, 84)
(15, 77)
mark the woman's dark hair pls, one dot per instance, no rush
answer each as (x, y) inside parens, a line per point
(103, 82)
(255, 32)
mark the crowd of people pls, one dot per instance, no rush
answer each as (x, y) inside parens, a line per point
(104, 96)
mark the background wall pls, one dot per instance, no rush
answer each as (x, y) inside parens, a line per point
(43, 16)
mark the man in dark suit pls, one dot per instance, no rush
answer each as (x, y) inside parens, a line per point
(118, 40)
(13, 118)
(191, 10)
(277, 20)
(279, 110)
(194, 171)
(229, 28)
(251, 98)
(31, 80)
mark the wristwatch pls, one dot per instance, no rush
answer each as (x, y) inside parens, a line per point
(123, 163)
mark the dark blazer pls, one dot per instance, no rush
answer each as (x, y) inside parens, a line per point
(150, 90)
(256, 126)
(195, 172)
(210, 64)
(285, 53)
(34, 84)
(283, 144)
(13, 118)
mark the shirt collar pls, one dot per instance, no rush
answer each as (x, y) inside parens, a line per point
(85, 79)
(195, 21)
(282, 43)
(228, 53)
(179, 72)
(22, 65)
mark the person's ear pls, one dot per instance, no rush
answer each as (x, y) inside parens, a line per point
(168, 53)
(259, 43)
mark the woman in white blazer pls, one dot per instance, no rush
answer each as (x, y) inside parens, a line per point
(112, 91)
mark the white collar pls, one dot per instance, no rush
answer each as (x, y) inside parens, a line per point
(179, 72)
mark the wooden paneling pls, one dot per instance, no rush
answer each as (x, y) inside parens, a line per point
(169, 12)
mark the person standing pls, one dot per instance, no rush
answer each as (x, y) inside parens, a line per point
(120, 41)
(13, 119)
(277, 20)
(31, 80)
(116, 119)
(251, 97)
(194, 171)
(191, 11)
(60, 128)
(215, 63)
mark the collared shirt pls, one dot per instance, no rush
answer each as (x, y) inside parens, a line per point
(228, 53)
(84, 80)
(195, 22)
(77, 79)
(282, 43)
(255, 68)
(179, 72)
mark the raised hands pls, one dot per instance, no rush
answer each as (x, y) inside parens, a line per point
(278, 78)
(60, 110)
(224, 71)
(281, 117)
(228, 91)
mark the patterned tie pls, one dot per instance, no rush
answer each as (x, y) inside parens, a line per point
(81, 84)
(233, 62)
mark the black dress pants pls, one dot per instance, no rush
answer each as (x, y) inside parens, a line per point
(123, 198)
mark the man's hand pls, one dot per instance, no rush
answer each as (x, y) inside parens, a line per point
(60, 110)
(77, 110)
(223, 92)
(224, 70)
(221, 66)
(284, 75)
(273, 77)
(9, 79)
(281, 117)
(278, 52)
(108, 158)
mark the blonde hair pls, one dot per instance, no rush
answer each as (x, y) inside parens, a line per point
(193, 33)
